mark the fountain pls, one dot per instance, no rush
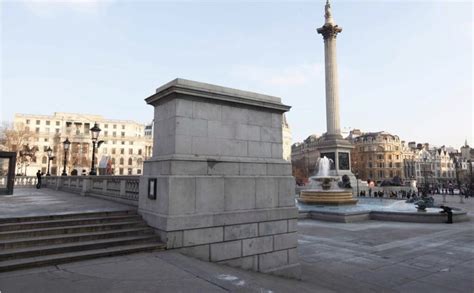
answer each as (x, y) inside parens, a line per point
(330, 199)
(325, 189)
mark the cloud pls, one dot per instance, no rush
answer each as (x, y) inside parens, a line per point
(297, 75)
(48, 8)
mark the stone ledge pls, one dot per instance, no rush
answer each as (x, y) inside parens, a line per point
(194, 89)
(190, 221)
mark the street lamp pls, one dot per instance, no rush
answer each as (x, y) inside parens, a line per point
(425, 159)
(66, 145)
(357, 180)
(49, 151)
(456, 167)
(95, 134)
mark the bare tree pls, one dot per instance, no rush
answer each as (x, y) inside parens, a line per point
(18, 138)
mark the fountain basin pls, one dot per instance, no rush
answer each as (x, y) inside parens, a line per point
(327, 197)
(377, 209)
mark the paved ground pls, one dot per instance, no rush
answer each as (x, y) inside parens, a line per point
(368, 256)
(28, 202)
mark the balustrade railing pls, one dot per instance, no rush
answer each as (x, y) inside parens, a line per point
(20, 181)
(123, 188)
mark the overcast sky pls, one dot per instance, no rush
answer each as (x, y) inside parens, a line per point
(404, 67)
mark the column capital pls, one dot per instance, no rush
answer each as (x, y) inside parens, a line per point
(329, 31)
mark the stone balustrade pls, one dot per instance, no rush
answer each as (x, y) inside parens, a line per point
(20, 181)
(122, 189)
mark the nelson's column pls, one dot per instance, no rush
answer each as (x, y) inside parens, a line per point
(332, 144)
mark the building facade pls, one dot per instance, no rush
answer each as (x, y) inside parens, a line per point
(125, 145)
(434, 166)
(304, 156)
(377, 156)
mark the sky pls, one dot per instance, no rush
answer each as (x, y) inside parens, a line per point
(405, 67)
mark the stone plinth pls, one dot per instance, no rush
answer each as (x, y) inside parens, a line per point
(223, 191)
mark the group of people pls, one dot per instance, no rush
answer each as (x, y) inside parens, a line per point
(401, 194)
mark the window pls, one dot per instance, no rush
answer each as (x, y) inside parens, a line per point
(122, 134)
(46, 130)
(57, 123)
(115, 126)
(106, 133)
(139, 171)
(123, 142)
(47, 122)
(57, 130)
(114, 134)
(122, 151)
(379, 157)
(120, 171)
(106, 125)
(27, 121)
(37, 130)
(46, 140)
(121, 161)
(129, 170)
(139, 151)
(113, 161)
(389, 157)
(113, 151)
(38, 122)
(130, 151)
(130, 161)
(123, 126)
(131, 142)
(44, 160)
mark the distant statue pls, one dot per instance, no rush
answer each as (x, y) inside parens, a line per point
(328, 13)
(345, 183)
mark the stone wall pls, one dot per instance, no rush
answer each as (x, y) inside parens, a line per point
(224, 192)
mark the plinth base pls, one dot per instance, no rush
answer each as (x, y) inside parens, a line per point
(323, 197)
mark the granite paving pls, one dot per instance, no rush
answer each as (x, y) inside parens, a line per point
(370, 256)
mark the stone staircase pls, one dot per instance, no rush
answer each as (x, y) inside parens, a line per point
(50, 240)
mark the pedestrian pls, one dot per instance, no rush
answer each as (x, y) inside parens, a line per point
(449, 212)
(38, 175)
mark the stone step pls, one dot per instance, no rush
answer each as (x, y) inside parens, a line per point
(69, 238)
(66, 222)
(66, 216)
(70, 229)
(55, 259)
(8, 254)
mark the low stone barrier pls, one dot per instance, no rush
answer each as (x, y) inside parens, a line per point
(20, 181)
(123, 189)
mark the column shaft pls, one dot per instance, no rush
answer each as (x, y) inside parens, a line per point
(332, 87)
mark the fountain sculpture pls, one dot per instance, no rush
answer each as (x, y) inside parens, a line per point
(324, 189)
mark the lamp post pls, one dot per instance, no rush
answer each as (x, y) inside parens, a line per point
(49, 151)
(66, 145)
(425, 159)
(357, 182)
(95, 134)
(456, 168)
